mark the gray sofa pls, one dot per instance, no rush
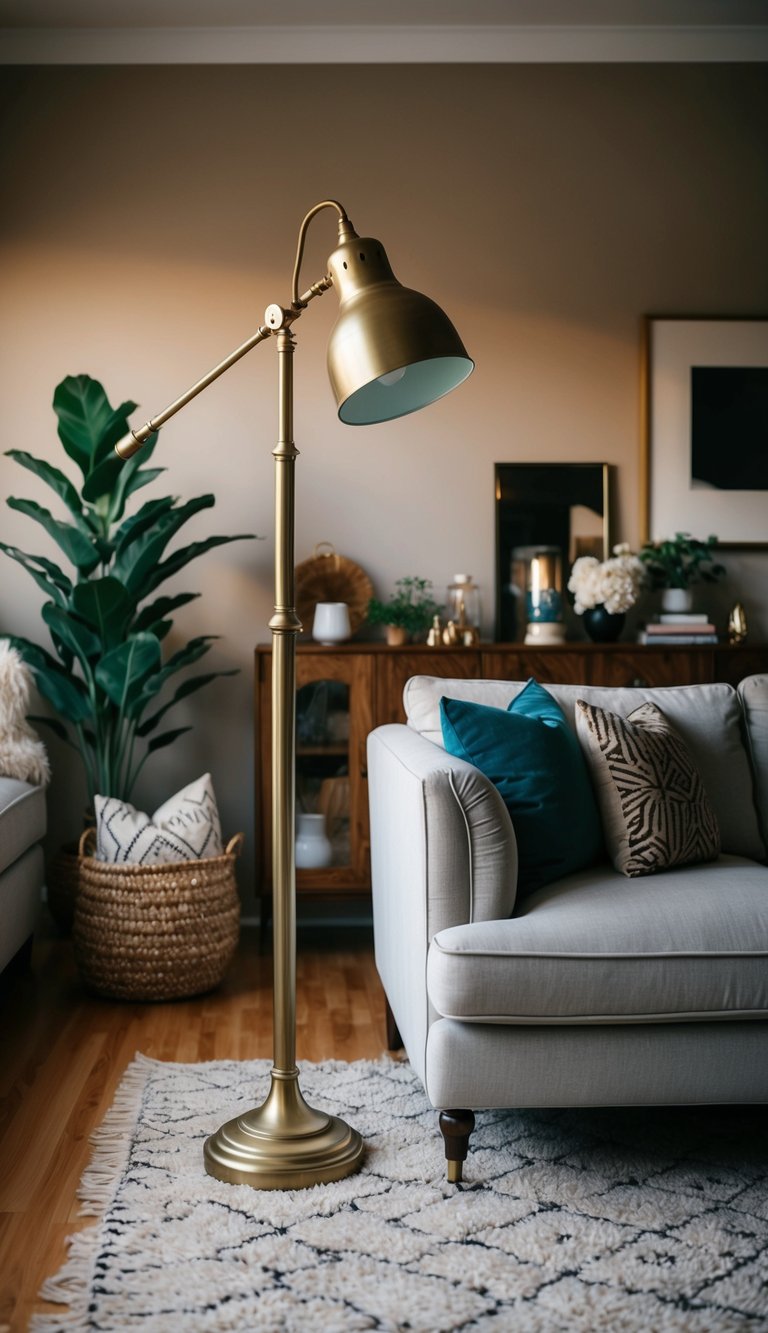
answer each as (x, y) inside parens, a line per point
(597, 989)
(22, 825)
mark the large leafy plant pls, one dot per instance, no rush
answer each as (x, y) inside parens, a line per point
(106, 625)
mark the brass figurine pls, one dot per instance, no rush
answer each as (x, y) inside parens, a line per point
(435, 635)
(737, 624)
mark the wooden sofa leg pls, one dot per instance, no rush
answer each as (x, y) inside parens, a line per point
(394, 1040)
(456, 1127)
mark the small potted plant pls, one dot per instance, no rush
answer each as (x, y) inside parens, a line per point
(409, 611)
(676, 563)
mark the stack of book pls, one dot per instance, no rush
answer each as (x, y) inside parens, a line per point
(678, 628)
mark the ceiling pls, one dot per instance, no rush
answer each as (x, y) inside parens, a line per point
(321, 31)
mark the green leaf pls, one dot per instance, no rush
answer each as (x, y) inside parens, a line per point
(186, 688)
(124, 670)
(186, 656)
(134, 562)
(165, 738)
(104, 604)
(58, 728)
(133, 482)
(126, 482)
(57, 481)
(73, 633)
(144, 517)
(46, 574)
(78, 548)
(183, 556)
(89, 427)
(160, 608)
(67, 694)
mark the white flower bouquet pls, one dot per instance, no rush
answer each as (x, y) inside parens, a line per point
(614, 583)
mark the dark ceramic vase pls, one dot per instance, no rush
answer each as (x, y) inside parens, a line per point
(601, 625)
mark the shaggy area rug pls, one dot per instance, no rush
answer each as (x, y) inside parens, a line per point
(568, 1220)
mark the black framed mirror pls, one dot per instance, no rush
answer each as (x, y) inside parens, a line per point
(561, 505)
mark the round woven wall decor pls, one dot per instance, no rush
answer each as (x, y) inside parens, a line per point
(330, 577)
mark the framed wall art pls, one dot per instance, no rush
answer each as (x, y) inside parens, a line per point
(563, 507)
(704, 467)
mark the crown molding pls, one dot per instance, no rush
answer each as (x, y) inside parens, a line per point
(384, 44)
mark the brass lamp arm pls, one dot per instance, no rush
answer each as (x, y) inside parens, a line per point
(276, 316)
(133, 441)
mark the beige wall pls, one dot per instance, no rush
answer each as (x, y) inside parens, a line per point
(149, 216)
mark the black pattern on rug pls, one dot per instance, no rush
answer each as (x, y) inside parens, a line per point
(641, 1219)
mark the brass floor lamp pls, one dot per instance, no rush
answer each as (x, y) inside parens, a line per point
(391, 352)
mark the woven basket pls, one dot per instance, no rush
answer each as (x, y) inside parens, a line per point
(157, 932)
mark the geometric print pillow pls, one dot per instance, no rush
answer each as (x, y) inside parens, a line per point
(655, 811)
(184, 828)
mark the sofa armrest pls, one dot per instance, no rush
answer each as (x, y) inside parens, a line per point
(443, 853)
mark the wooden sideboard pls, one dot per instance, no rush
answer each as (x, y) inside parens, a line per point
(346, 690)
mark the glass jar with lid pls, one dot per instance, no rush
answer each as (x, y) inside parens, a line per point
(544, 596)
(462, 602)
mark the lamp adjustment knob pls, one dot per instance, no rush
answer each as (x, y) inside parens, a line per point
(277, 318)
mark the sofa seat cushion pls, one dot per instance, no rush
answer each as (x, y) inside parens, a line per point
(598, 948)
(22, 819)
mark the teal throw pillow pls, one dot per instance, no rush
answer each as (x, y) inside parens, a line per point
(531, 755)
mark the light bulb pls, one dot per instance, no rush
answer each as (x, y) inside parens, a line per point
(392, 377)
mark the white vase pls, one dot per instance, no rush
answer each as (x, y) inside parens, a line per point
(331, 623)
(313, 846)
(676, 600)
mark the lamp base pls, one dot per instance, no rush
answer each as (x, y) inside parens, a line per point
(284, 1143)
(545, 632)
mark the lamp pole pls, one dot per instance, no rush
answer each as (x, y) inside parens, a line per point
(392, 351)
(284, 1143)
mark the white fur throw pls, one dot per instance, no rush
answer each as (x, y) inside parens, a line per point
(22, 753)
(185, 828)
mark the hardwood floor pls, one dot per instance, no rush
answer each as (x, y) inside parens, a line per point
(63, 1053)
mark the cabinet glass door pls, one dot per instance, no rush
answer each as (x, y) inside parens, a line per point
(322, 773)
(334, 714)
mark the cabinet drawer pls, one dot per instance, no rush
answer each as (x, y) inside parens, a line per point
(653, 667)
(553, 666)
(394, 669)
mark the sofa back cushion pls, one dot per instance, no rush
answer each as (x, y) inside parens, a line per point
(708, 717)
(753, 693)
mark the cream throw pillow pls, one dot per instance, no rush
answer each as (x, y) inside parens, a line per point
(655, 811)
(185, 828)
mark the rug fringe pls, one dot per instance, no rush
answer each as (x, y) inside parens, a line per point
(111, 1145)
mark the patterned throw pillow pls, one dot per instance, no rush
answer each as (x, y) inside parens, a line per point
(656, 813)
(184, 828)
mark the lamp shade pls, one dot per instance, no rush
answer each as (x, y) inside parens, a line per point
(391, 350)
